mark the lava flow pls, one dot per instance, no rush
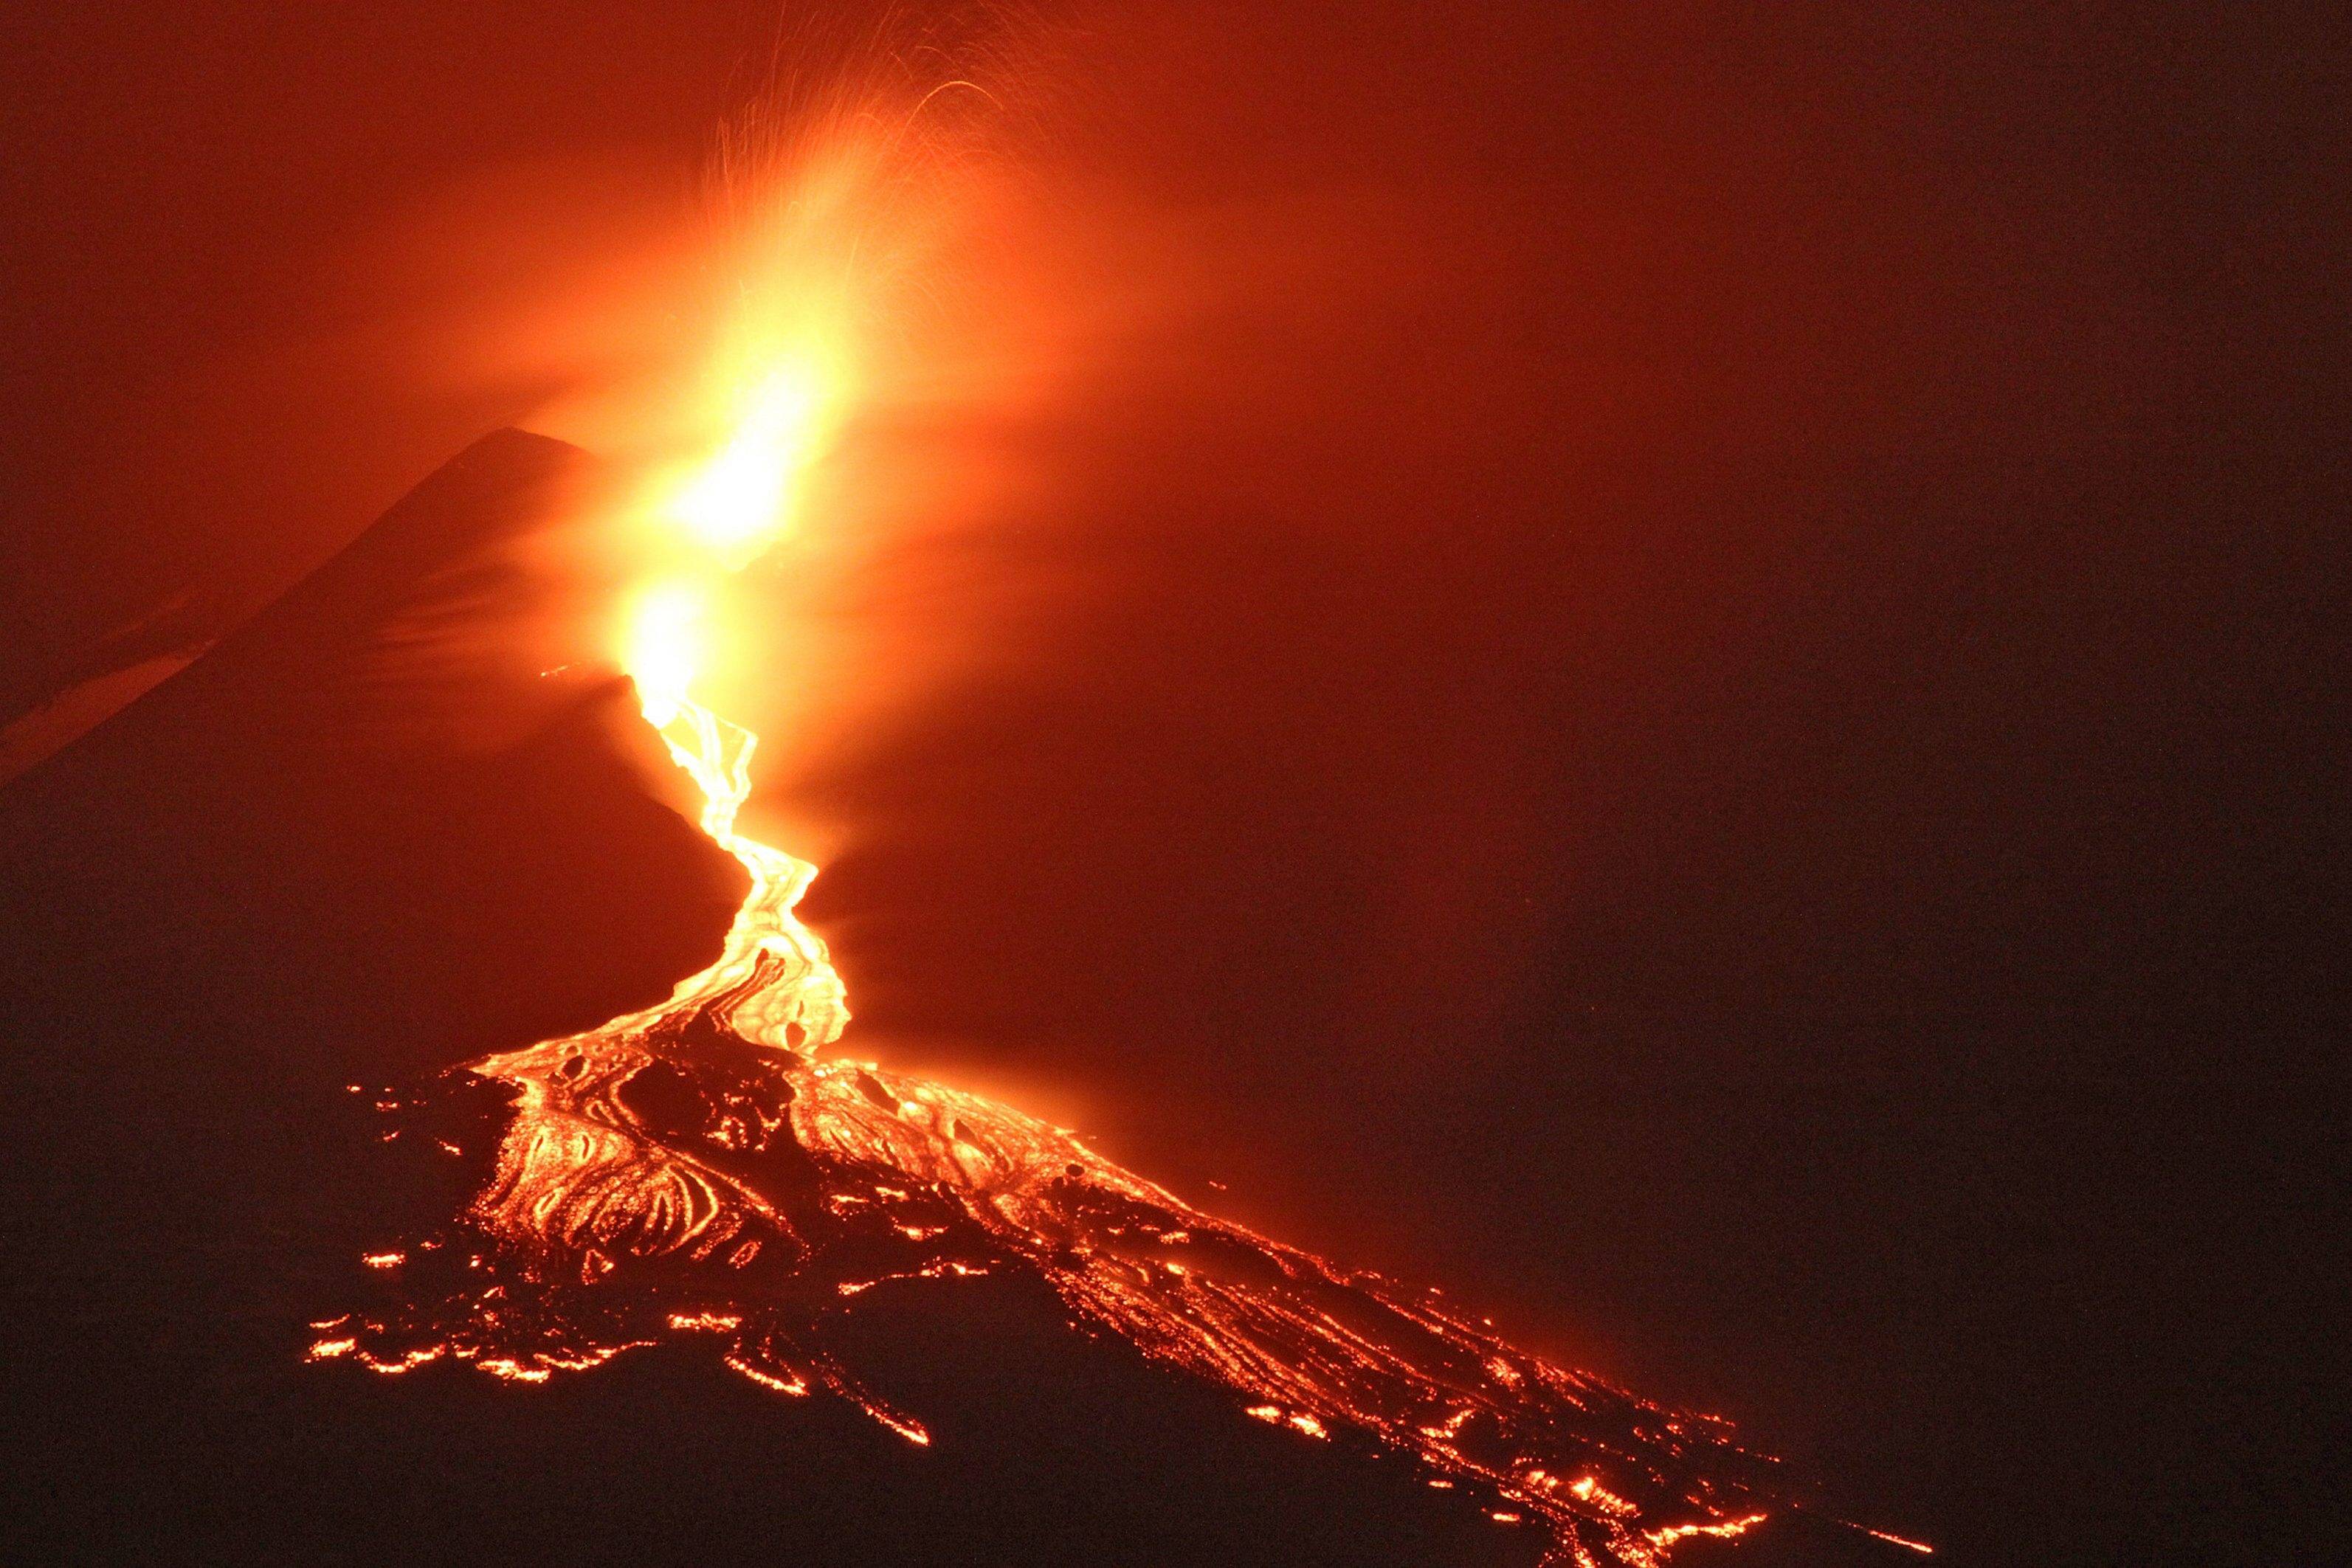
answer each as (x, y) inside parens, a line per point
(697, 1170)
(703, 1171)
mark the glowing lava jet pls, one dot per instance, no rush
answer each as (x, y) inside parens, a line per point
(700, 1170)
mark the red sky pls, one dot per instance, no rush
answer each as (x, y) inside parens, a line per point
(1664, 686)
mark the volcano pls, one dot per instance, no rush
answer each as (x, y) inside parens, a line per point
(342, 1050)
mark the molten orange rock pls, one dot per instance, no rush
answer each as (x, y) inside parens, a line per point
(702, 1151)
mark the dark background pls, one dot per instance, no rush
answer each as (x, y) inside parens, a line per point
(1731, 756)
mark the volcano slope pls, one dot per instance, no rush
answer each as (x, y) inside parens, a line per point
(275, 877)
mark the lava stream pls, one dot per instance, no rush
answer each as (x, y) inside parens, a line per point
(695, 1170)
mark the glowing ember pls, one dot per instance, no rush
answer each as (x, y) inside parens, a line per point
(699, 1171)
(1921, 1547)
(1723, 1532)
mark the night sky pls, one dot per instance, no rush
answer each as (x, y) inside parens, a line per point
(1672, 668)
